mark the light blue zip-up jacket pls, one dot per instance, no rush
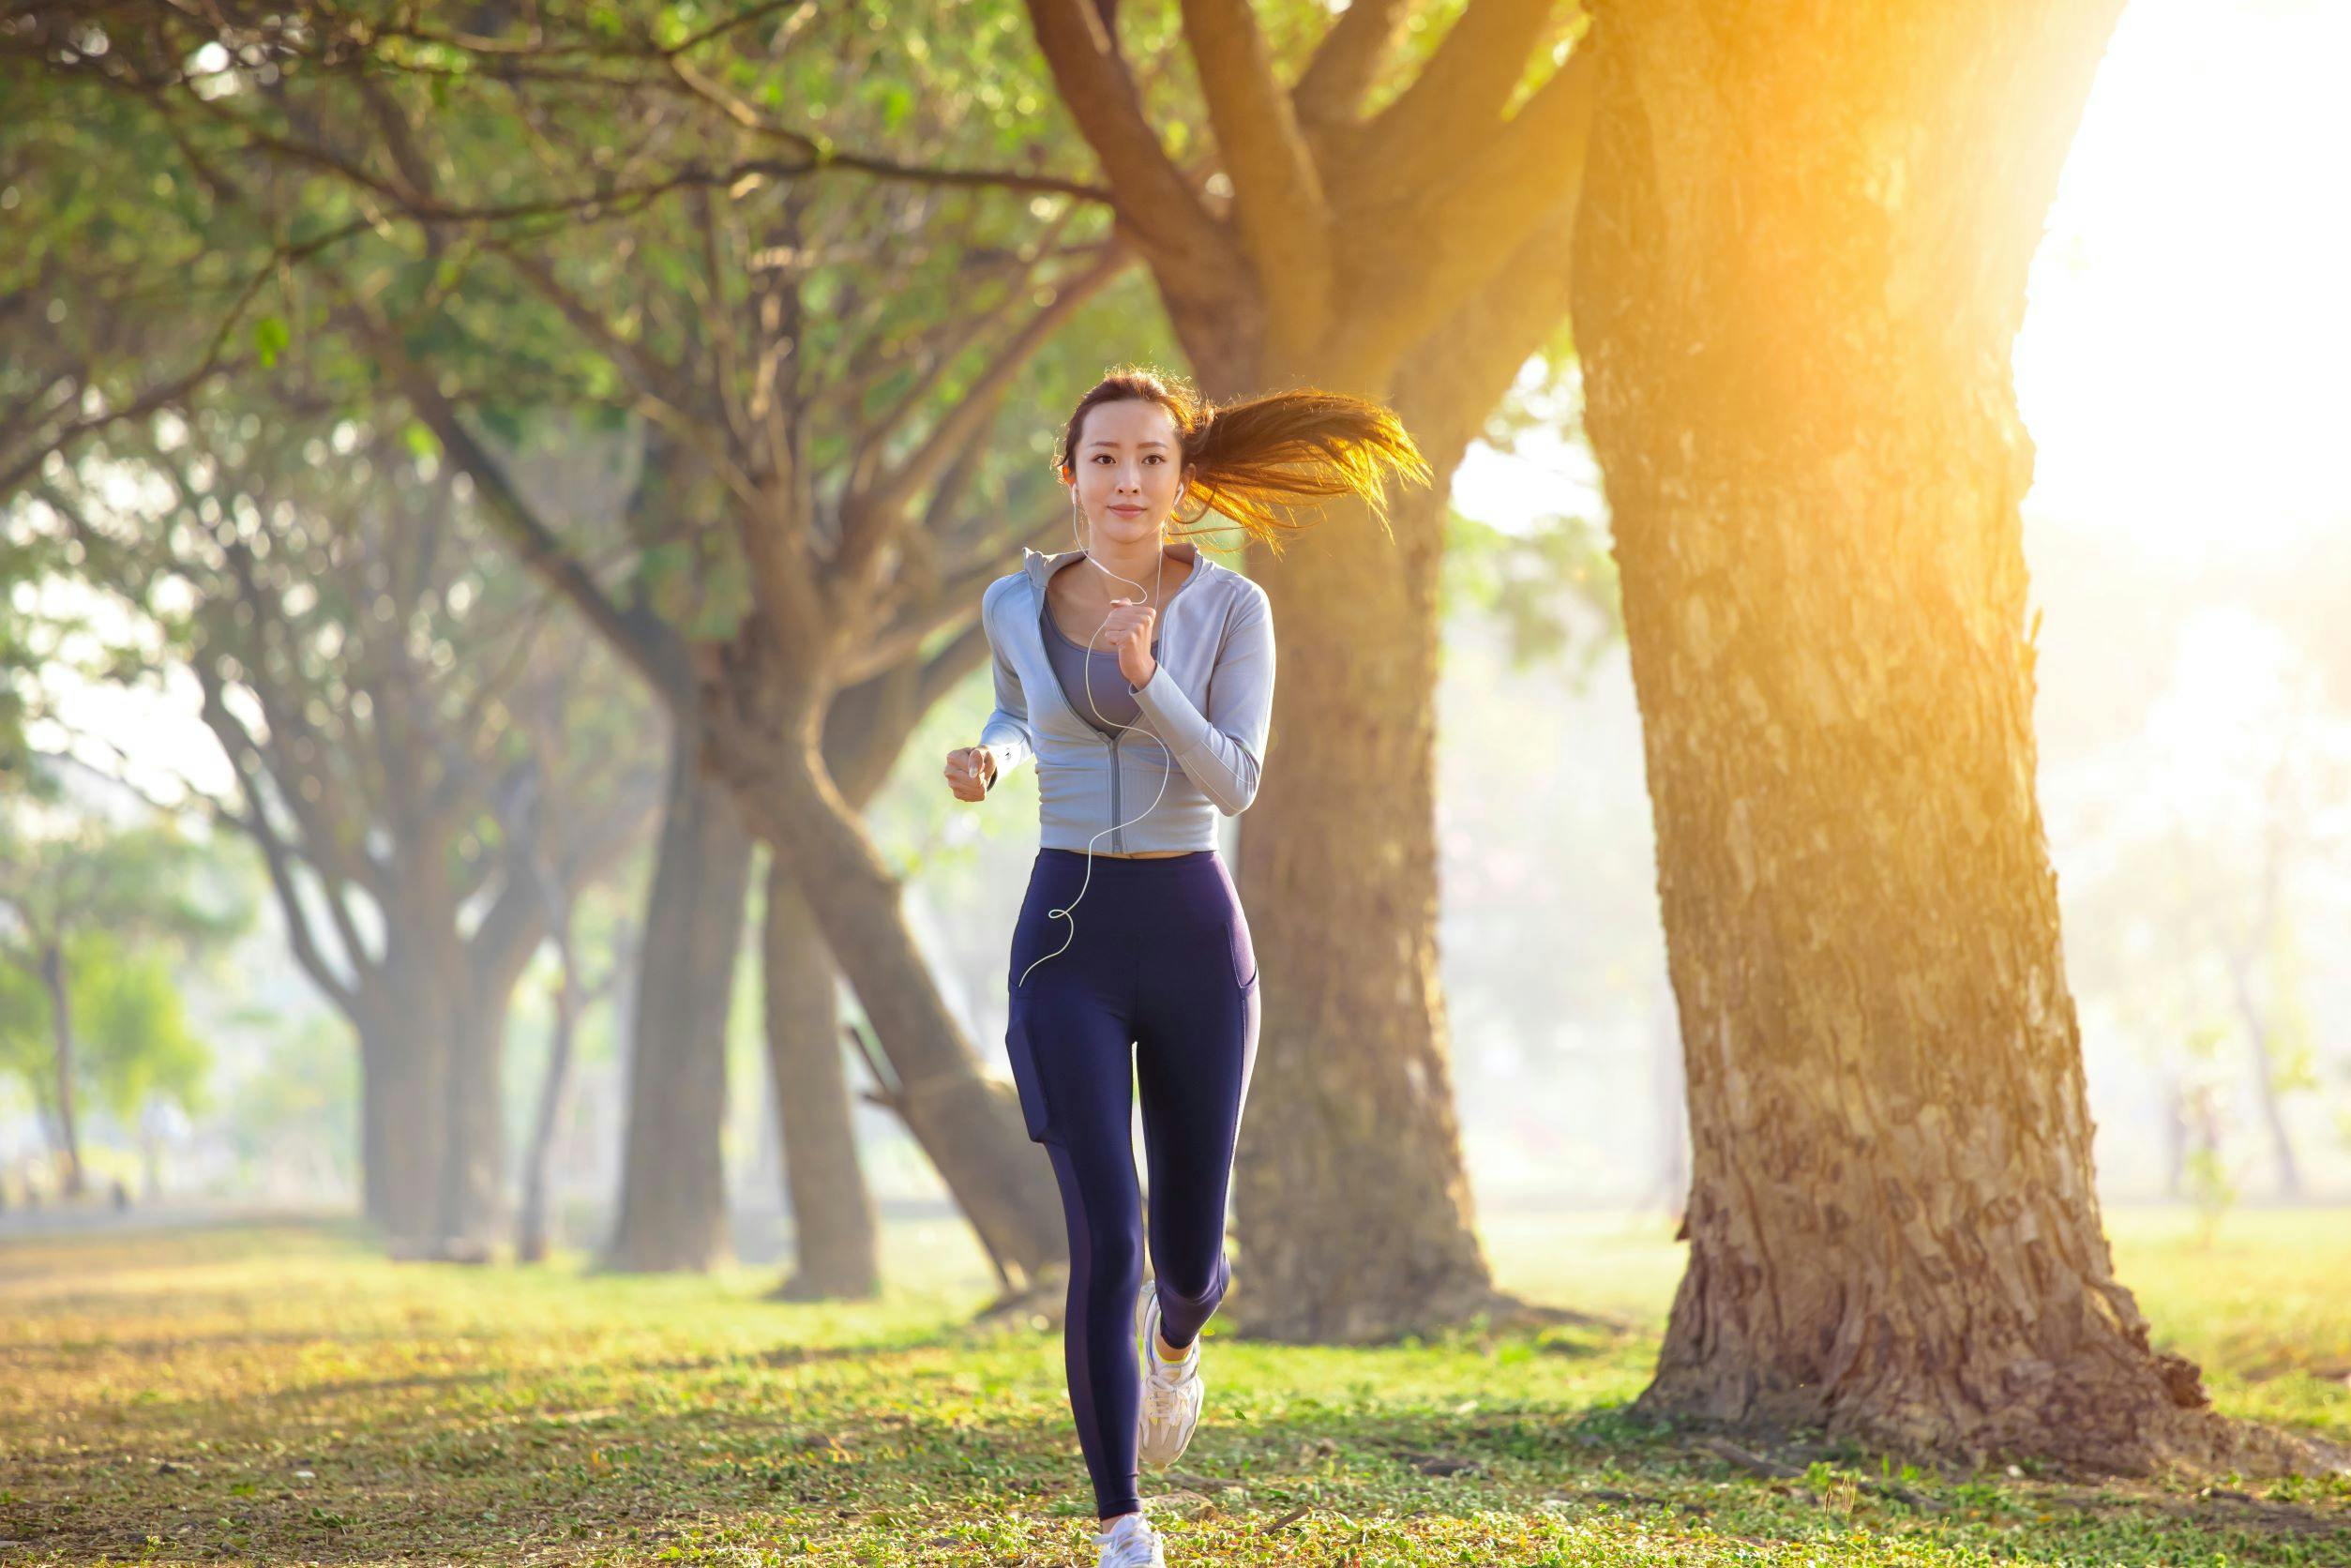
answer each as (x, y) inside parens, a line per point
(1210, 702)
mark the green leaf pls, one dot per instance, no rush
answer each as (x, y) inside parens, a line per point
(270, 338)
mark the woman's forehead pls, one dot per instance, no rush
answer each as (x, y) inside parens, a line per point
(1129, 422)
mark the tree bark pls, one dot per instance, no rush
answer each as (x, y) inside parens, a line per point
(673, 1198)
(1353, 1091)
(402, 1098)
(1338, 869)
(1410, 252)
(1799, 272)
(472, 1205)
(404, 1060)
(1337, 866)
(835, 1229)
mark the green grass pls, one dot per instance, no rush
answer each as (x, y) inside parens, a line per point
(276, 1394)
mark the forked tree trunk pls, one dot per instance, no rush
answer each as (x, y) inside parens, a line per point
(835, 1229)
(967, 1124)
(1353, 1090)
(1799, 272)
(1338, 859)
(673, 1198)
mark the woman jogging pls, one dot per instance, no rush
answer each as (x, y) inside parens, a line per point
(1139, 674)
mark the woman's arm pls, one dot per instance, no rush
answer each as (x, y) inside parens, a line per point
(1005, 736)
(1221, 750)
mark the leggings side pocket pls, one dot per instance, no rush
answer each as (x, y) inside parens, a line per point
(1024, 1074)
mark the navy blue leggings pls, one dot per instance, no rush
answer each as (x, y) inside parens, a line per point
(1160, 964)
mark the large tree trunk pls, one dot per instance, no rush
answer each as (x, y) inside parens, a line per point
(1799, 272)
(1338, 865)
(674, 1197)
(472, 1210)
(404, 1057)
(61, 1028)
(833, 1224)
(1353, 1091)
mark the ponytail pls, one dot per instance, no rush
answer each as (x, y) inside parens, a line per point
(1256, 462)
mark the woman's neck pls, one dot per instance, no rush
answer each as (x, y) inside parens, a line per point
(1135, 563)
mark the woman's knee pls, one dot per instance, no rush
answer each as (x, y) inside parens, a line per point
(1116, 1257)
(1194, 1289)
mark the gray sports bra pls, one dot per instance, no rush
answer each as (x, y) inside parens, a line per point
(1074, 665)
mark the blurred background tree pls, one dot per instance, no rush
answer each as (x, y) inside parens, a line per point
(94, 918)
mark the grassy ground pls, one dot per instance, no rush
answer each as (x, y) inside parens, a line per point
(276, 1393)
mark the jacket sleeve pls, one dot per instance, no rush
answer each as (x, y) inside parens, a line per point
(1221, 750)
(1005, 735)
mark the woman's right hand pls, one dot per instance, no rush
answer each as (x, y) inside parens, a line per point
(969, 769)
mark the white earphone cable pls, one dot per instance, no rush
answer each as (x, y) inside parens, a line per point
(1064, 913)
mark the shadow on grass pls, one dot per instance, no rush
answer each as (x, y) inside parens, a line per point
(949, 1447)
(652, 1472)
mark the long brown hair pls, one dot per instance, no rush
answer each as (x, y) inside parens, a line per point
(1257, 460)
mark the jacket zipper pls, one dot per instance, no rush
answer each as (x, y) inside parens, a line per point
(1110, 743)
(1118, 835)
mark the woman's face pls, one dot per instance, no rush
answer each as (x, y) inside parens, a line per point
(1128, 478)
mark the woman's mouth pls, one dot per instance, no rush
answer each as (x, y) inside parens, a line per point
(1128, 511)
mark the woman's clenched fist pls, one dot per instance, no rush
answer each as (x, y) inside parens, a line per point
(969, 769)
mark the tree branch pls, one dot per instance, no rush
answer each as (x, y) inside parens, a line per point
(1477, 221)
(645, 643)
(1347, 62)
(1153, 199)
(1451, 108)
(238, 746)
(1278, 201)
(978, 403)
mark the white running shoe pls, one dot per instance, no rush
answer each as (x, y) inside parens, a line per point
(1172, 1392)
(1130, 1543)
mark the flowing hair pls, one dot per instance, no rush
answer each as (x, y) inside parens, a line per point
(1258, 462)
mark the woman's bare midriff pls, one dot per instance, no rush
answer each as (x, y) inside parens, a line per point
(1142, 855)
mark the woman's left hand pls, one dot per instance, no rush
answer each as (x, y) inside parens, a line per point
(1128, 632)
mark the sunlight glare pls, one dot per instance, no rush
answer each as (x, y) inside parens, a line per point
(2182, 362)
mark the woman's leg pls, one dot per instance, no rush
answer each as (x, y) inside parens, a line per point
(1196, 1047)
(1079, 1052)
(1070, 1042)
